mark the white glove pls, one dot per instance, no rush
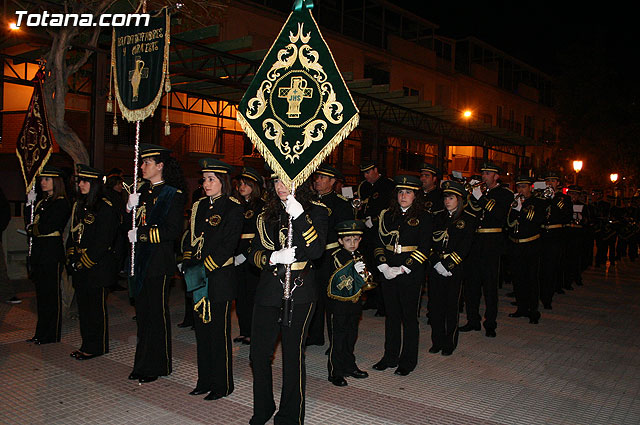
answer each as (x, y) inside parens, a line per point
(239, 259)
(384, 269)
(293, 207)
(31, 197)
(442, 270)
(368, 222)
(133, 201)
(359, 266)
(133, 235)
(518, 207)
(396, 271)
(477, 193)
(180, 267)
(284, 256)
(405, 269)
(474, 181)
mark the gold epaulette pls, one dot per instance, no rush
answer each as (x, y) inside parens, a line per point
(437, 212)
(342, 197)
(320, 204)
(178, 191)
(108, 202)
(231, 198)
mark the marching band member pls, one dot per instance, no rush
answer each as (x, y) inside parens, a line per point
(208, 246)
(47, 253)
(430, 176)
(159, 223)
(404, 239)
(269, 252)
(91, 257)
(453, 230)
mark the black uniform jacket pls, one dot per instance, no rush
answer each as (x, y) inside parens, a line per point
(214, 230)
(525, 224)
(375, 197)
(492, 207)
(309, 238)
(411, 235)
(339, 209)
(161, 236)
(90, 244)
(249, 229)
(452, 239)
(559, 211)
(434, 200)
(49, 220)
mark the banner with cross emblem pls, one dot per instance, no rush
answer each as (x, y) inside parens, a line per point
(140, 66)
(297, 108)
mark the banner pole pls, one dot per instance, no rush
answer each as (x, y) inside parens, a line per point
(286, 295)
(135, 187)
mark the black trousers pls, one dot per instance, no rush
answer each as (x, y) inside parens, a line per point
(189, 314)
(525, 260)
(587, 251)
(316, 327)
(401, 300)
(444, 299)
(92, 312)
(604, 247)
(633, 247)
(153, 351)
(344, 317)
(265, 331)
(248, 277)
(551, 264)
(46, 278)
(573, 256)
(215, 371)
(482, 275)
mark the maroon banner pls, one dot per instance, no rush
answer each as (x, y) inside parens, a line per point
(34, 142)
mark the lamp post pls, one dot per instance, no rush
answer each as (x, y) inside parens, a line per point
(613, 177)
(577, 166)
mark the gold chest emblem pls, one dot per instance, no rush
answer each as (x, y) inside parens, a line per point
(428, 204)
(214, 220)
(248, 214)
(413, 222)
(309, 219)
(460, 224)
(89, 218)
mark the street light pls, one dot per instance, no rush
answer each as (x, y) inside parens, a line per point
(613, 177)
(577, 166)
(467, 114)
(13, 26)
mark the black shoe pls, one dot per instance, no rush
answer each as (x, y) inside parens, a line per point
(186, 325)
(434, 349)
(34, 339)
(214, 396)
(236, 339)
(382, 365)
(518, 313)
(491, 333)
(75, 354)
(547, 306)
(134, 376)
(197, 391)
(246, 340)
(447, 352)
(41, 342)
(534, 317)
(147, 379)
(402, 371)
(338, 381)
(469, 327)
(358, 374)
(83, 356)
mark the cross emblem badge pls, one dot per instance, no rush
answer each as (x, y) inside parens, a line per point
(295, 95)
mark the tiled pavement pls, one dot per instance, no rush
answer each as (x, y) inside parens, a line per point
(580, 365)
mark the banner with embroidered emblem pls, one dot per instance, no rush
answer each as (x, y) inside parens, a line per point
(140, 66)
(297, 108)
(34, 141)
(346, 284)
(197, 282)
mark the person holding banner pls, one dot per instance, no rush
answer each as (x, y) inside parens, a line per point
(47, 254)
(269, 253)
(213, 233)
(91, 260)
(402, 247)
(159, 222)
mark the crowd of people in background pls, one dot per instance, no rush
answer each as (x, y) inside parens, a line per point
(459, 240)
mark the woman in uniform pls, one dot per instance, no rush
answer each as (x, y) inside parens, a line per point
(159, 222)
(453, 230)
(214, 231)
(404, 240)
(47, 253)
(269, 252)
(250, 195)
(92, 261)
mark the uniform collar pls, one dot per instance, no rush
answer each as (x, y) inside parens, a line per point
(326, 194)
(212, 199)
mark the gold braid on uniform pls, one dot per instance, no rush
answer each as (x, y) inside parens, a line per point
(198, 242)
(383, 232)
(262, 232)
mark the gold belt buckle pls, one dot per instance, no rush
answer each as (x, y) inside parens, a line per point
(397, 248)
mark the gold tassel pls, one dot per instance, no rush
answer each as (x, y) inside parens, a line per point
(110, 98)
(167, 128)
(167, 84)
(115, 125)
(167, 124)
(109, 105)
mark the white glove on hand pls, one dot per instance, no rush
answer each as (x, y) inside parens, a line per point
(293, 207)
(284, 256)
(133, 235)
(239, 259)
(519, 206)
(386, 271)
(442, 270)
(359, 266)
(405, 269)
(133, 201)
(180, 267)
(477, 193)
(368, 222)
(31, 197)
(396, 271)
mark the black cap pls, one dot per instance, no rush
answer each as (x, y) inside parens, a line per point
(212, 165)
(252, 174)
(524, 180)
(366, 166)
(148, 150)
(431, 168)
(452, 186)
(328, 170)
(552, 175)
(87, 173)
(350, 227)
(404, 181)
(490, 166)
(51, 171)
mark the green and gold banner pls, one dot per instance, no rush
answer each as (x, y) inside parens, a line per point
(297, 108)
(346, 284)
(34, 141)
(140, 61)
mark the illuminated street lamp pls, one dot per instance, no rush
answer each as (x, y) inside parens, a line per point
(13, 26)
(577, 166)
(613, 177)
(467, 114)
